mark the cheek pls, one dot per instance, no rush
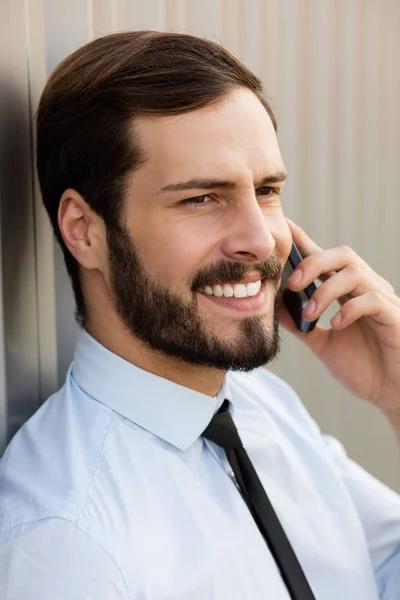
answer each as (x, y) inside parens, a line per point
(173, 255)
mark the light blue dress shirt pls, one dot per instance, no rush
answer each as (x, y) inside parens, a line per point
(109, 492)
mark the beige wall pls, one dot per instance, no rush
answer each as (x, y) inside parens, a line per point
(330, 68)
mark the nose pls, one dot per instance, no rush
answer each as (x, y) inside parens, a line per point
(249, 236)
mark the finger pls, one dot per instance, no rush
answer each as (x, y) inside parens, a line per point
(380, 282)
(306, 245)
(323, 265)
(308, 248)
(374, 305)
(350, 282)
(319, 269)
(333, 259)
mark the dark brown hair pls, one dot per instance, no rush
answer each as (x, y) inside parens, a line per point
(85, 138)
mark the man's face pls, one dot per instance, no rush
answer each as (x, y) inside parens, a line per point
(196, 269)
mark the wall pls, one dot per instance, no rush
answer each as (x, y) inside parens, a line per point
(329, 69)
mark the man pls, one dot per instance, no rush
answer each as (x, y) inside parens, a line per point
(161, 173)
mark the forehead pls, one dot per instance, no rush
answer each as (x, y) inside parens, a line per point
(234, 139)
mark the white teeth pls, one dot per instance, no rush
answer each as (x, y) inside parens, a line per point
(227, 290)
(252, 288)
(239, 290)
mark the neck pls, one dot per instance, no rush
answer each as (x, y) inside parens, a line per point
(116, 338)
(107, 328)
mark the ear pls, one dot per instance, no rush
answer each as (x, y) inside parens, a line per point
(83, 231)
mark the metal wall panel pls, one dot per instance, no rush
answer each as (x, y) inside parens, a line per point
(328, 68)
(20, 355)
(45, 268)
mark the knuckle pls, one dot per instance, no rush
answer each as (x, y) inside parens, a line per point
(350, 308)
(314, 259)
(346, 251)
(354, 270)
(390, 288)
(375, 296)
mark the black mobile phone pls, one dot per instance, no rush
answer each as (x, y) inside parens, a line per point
(297, 301)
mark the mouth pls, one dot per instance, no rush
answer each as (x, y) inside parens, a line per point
(233, 290)
(245, 297)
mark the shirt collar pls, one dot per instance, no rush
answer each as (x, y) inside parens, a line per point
(170, 411)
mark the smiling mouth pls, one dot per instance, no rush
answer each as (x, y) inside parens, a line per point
(233, 290)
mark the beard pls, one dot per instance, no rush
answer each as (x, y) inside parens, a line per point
(167, 323)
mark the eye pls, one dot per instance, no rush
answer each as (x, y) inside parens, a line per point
(198, 200)
(268, 192)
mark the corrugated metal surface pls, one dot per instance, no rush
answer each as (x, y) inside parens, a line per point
(330, 70)
(19, 316)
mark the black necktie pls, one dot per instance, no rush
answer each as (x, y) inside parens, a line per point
(223, 432)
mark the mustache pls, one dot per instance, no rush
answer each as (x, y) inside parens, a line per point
(233, 272)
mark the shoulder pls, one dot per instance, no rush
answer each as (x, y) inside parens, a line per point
(55, 558)
(47, 469)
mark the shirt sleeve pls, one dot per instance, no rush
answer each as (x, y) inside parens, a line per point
(53, 559)
(379, 509)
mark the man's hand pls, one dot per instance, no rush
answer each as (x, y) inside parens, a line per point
(361, 349)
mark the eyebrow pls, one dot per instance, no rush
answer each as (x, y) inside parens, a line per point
(208, 184)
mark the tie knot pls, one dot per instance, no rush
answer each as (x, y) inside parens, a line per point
(222, 429)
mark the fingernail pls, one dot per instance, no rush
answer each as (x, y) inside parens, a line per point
(336, 319)
(296, 277)
(310, 308)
